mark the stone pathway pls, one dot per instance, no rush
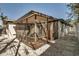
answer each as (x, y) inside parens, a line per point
(8, 48)
(24, 50)
(66, 46)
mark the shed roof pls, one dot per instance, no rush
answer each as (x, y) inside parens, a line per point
(44, 15)
(64, 21)
(37, 13)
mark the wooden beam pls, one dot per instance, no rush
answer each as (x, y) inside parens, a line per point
(43, 28)
(26, 22)
(25, 17)
(35, 28)
(20, 23)
(48, 31)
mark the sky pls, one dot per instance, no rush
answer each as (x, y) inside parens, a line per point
(16, 10)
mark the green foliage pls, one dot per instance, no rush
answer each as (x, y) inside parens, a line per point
(3, 17)
(1, 27)
(74, 10)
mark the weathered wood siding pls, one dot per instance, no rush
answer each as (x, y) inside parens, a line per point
(55, 29)
(29, 26)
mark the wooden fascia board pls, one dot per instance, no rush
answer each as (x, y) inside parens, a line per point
(33, 15)
(25, 17)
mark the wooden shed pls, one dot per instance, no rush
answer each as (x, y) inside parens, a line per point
(38, 27)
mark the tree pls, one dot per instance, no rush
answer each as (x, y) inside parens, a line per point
(74, 7)
(2, 17)
(75, 13)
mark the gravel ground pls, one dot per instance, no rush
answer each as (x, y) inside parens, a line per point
(66, 46)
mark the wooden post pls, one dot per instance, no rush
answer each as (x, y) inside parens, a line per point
(43, 28)
(35, 29)
(25, 28)
(59, 29)
(26, 23)
(51, 29)
(47, 30)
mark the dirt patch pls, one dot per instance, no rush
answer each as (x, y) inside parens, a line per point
(34, 45)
